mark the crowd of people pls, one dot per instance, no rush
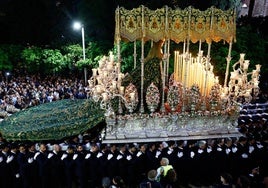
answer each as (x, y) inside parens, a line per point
(84, 161)
(20, 92)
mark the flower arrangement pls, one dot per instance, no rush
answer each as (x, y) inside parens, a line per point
(195, 94)
(214, 96)
(152, 97)
(215, 92)
(173, 96)
(131, 97)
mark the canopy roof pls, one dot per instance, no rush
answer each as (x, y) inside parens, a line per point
(177, 25)
(52, 121)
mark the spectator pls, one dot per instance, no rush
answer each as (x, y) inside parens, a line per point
(106, 182)
(226, 181)
(117, 182)
(151, 180)
(163, 170)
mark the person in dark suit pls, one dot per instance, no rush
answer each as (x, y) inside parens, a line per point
(23, 163)
(228, 151)
(79, 165)
(141, 162)
(91, 164)
(31, 169)
(170, 152)
(55, 166)
(234, 156)
(4, 172)
(101, 160)
(41, 158)
(13, 166)
(189, 154)
(220, 156)
(200, 161)
(68, 164)
(111, 161)
(180, 163)
(150, 154)
(131, 179)
(158, 152)
(243, 156)
(122, 161)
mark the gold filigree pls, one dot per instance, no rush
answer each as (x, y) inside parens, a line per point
(177, 25)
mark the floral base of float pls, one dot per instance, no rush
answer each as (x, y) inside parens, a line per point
(177, 126)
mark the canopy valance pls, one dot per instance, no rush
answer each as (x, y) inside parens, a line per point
(175, 24)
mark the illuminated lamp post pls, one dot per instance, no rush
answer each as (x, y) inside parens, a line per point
(78, 26)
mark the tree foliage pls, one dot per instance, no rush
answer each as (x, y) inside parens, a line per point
(31, 57)
(4, 61)
(72, 53)
(53, 60)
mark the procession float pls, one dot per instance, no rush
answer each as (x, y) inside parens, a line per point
(150, 103)
(168, 95)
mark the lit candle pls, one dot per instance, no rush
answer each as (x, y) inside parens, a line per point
(246, 64)
(242, 57)
(255, 74)
(258, 67)
(90, 83)
(201, 54)
(100, 63)
(111, 57)
(94, 72)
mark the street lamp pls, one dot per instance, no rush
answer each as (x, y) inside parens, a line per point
(78, 26)
(7, 74)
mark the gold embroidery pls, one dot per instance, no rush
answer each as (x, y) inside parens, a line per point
(177, 25)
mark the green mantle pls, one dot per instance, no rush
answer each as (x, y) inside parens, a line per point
(52, 121)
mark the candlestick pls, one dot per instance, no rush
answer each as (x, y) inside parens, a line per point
(94, 72)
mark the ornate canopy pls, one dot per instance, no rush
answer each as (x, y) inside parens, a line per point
(177, 25)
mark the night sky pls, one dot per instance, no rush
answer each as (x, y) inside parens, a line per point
(35, 21)
(42, 22)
